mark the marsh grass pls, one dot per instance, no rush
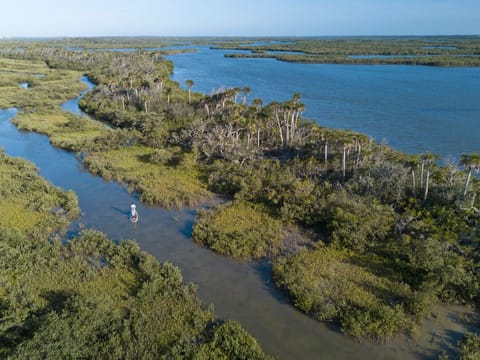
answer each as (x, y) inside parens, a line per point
(29, 204)
(65, 130)
(47, 91)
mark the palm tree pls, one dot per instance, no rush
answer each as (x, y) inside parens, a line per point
(429, 159)
(189, 83)
(413, 163)
(257, 103)
(246, 91)
(276, 108)
(471, 162)
(346, 142)
(168, 91)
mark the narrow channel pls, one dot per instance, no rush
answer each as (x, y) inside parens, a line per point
(239, 291)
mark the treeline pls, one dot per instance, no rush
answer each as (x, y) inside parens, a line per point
(430, 51)
(427, 60)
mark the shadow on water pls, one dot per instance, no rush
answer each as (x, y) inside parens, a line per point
(238, 291)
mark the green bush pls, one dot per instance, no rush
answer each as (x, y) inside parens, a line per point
(469, 347)
(238, 230)
(332, 285)
(356, 223)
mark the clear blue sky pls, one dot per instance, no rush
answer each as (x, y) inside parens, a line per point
(21, 18)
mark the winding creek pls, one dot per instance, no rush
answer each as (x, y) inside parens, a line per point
(238, 291)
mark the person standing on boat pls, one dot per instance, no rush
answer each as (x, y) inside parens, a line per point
(133, 209)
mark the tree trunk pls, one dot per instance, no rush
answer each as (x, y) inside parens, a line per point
(279, 128)
(467, 181)
(473, 199)
(426, 184)
(421, 175)
(344, 161)
(359, 151)
(326, 151)
(413, 181)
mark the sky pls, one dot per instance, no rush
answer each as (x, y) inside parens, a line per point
(53, 18)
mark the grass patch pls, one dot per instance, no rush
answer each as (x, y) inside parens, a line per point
(45, 92)
(65, 130)
(30, 204)
(238, 230)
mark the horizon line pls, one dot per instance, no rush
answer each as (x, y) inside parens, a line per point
(46, 37)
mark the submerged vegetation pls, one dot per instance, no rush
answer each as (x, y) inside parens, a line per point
(389, 234)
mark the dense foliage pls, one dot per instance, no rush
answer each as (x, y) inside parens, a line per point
(336, 285)
(95, 299)
(238, 230)
(470, 347)
(29, 204)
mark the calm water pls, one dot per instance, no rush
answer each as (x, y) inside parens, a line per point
(72, 105)
(238, 291)
(412, 108)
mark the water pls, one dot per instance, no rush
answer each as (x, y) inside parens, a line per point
(412, 108)
(440, 47)
(72, 105)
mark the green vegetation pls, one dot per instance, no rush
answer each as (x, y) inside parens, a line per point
(29, 204)
(66, 130)
(238, 230)
(332, 285)
(430, 51)
(169, 185)
(470, 347)
(95, 299)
